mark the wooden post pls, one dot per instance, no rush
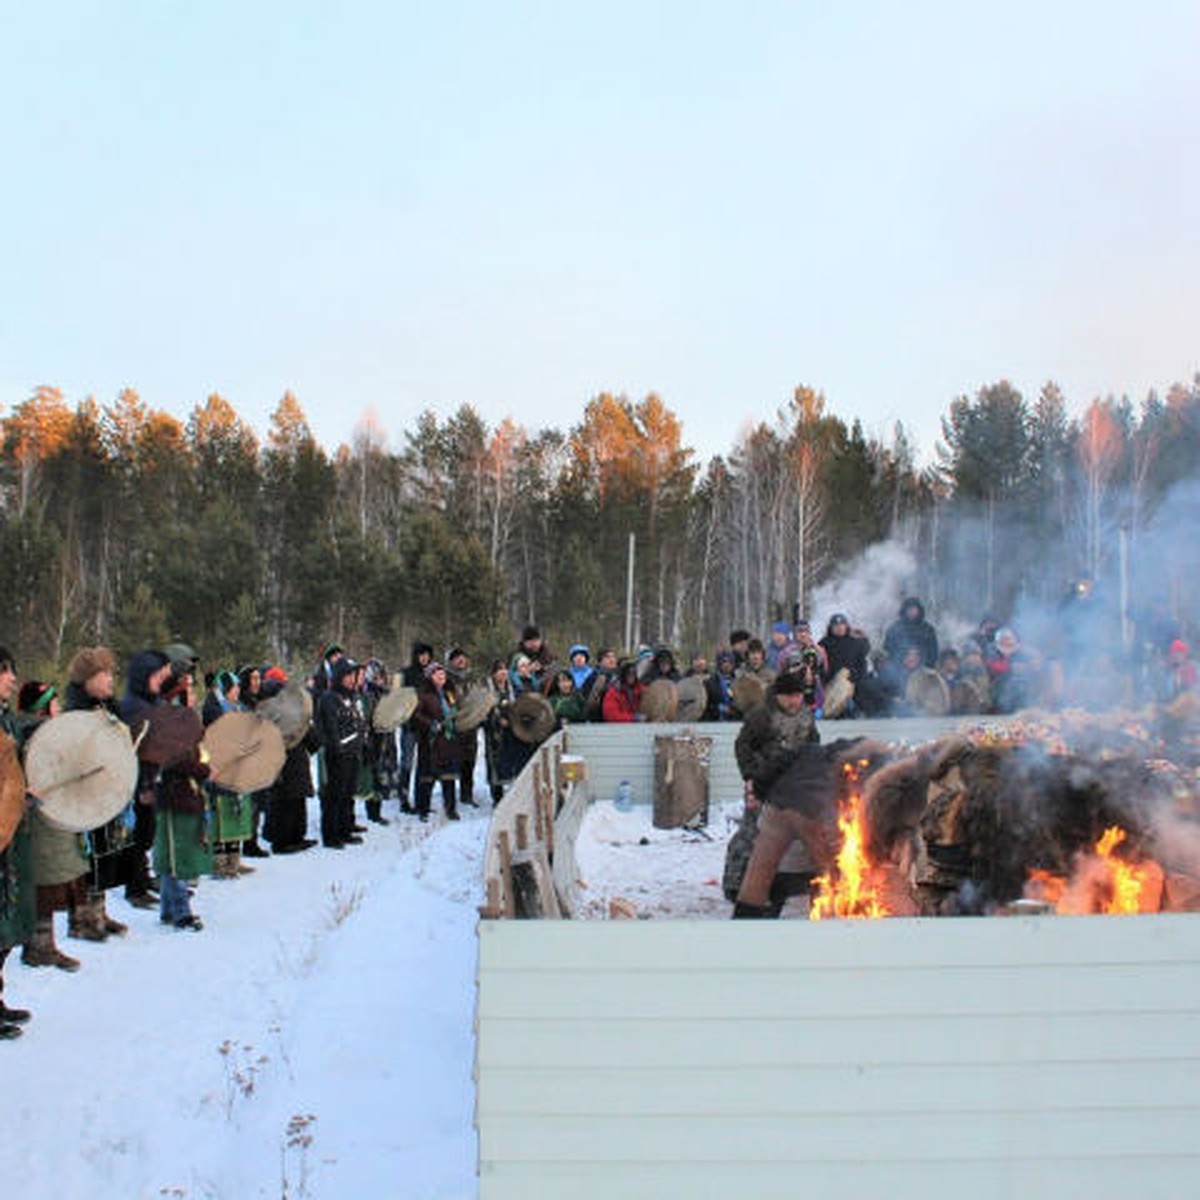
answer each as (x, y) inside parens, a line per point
(522, 831)
(502, 840)
(546, 804)
(491, 909)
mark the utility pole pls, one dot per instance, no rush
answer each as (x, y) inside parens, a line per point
(629, 597)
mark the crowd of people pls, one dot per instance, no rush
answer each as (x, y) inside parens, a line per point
(181, 823)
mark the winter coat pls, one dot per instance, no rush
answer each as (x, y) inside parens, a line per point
(340, 723)
(770, 739)
(135, 705)
(621, 703)
(848, 650)
(439, 749)
(720, 705)
(568, 707)
(918, 632)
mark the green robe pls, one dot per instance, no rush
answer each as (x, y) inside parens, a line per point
(182, 846)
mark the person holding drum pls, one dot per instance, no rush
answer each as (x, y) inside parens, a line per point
(233, 814)
(286, 826)
(458, 671)
(145, 678)
(412, 676)
(496, 729)
(113, 856)
(60, 863)
(382, 764)
(439, 749)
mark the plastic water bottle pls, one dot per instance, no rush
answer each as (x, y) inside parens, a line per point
(624, 801)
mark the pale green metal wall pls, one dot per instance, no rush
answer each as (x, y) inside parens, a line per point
(982, 1058)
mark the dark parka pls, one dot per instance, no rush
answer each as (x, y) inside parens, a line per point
(908, 631)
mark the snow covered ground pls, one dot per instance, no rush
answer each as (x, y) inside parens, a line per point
(314, 1040)
(661, 872)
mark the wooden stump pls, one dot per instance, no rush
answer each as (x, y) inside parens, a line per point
(681, 766)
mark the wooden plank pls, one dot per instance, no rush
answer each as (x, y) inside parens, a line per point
(506, 881)
(565, 867)
(799, 1093)
(796, 1041)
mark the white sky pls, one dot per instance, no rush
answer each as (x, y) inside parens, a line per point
(407, 206)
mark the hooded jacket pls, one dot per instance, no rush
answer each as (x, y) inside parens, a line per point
(339, 719)
(915, 631)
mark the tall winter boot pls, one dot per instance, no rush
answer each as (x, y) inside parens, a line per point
(86, 920)
(40, 950)
(109, 924)
(374, 814)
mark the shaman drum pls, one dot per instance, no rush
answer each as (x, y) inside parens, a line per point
(693, 699)
(474, 707)
(748, 691)
(393, 709)
(169, 731)
(928, 691)
(291, 710)
(82, 768)
(12, 790)
(838, 694)
(245, 751)
(660, 701)
(531, 718)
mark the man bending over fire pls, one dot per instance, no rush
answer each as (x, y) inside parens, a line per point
(779, 753)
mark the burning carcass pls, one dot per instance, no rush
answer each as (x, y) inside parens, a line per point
(1073, 813)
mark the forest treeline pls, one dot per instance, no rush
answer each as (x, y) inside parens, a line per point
(122, 524)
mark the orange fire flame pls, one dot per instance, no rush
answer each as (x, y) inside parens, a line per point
(1101, 882)
(851, 889)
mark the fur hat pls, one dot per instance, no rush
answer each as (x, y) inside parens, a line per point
(789, 682)
(89, 661)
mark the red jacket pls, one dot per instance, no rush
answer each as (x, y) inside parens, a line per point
(619, 704)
